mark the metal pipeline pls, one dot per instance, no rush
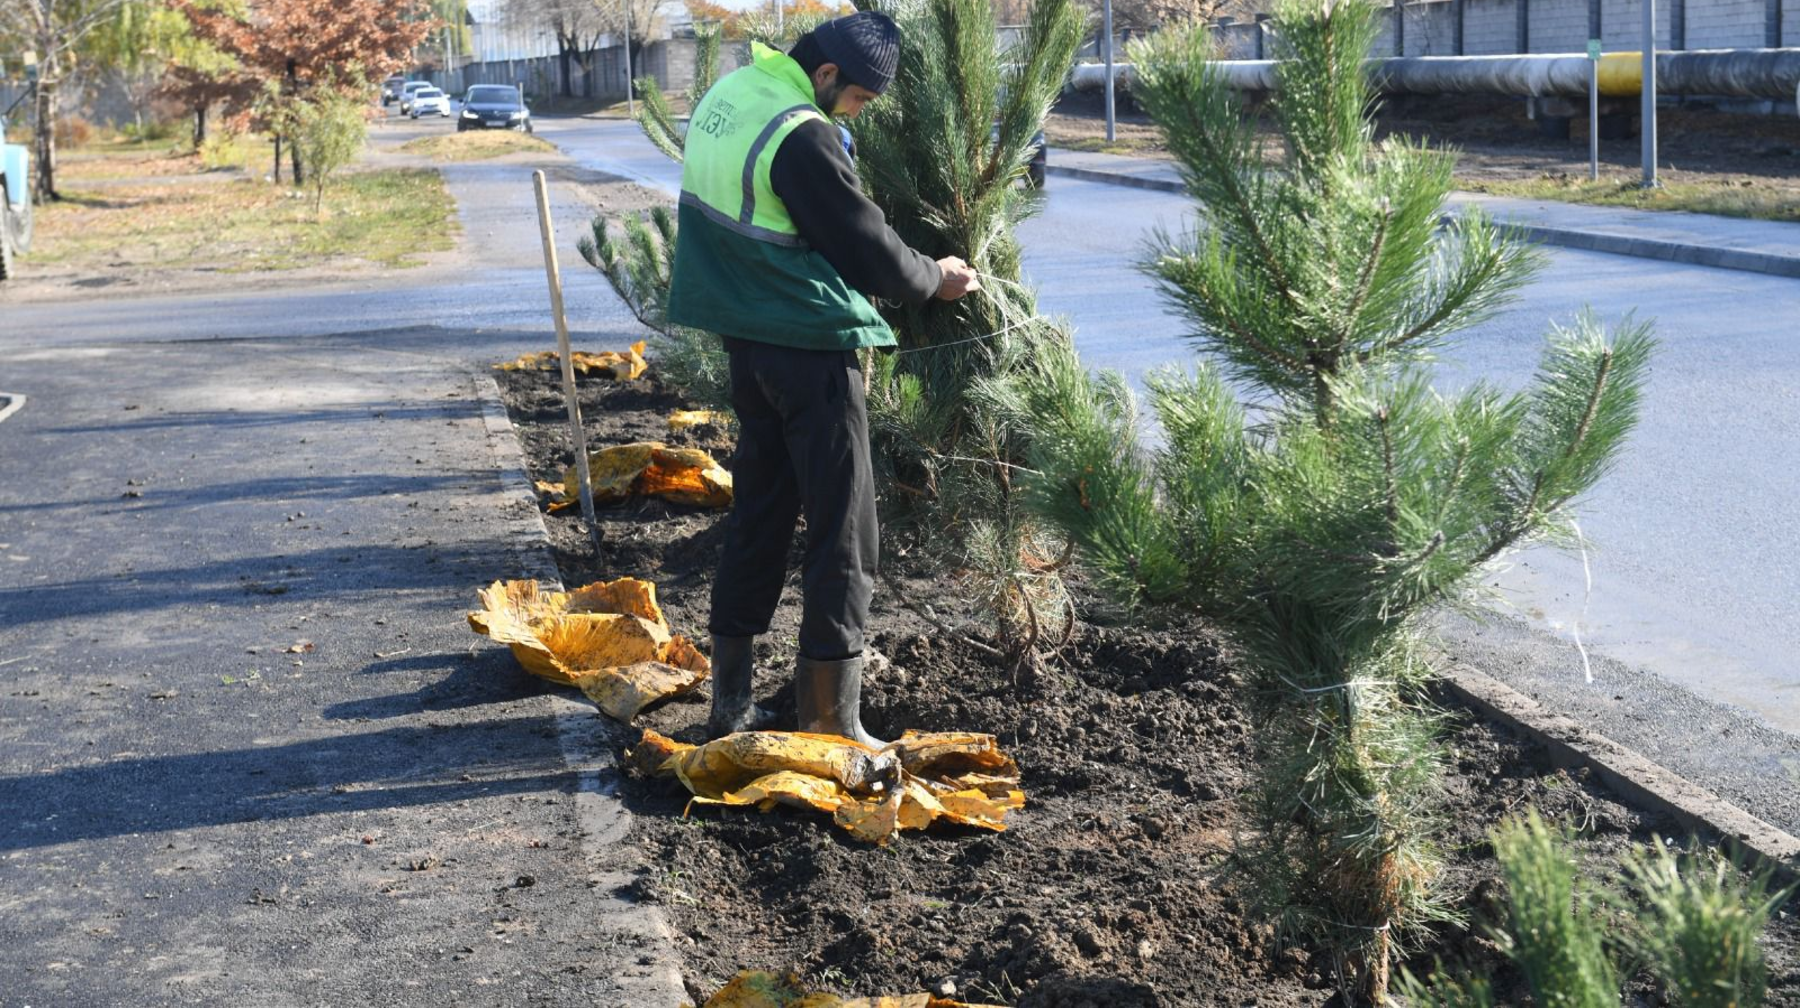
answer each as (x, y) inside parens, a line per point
(1735, 73)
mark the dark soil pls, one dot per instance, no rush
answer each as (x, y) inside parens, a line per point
(1113, 888)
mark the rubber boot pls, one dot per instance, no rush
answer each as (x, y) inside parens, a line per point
(828, 695)
(733, 709)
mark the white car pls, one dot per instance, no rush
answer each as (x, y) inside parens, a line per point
(407, 91)
(427, 100)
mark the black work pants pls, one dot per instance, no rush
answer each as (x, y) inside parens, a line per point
(803, 444)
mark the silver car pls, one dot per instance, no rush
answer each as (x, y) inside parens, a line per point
(407, 91)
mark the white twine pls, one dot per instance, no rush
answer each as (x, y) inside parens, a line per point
(1587, 574)
(1005, 309)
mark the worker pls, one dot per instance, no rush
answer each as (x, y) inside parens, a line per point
(780, 252)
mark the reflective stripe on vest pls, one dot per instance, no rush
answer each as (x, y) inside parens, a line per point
(732, 139)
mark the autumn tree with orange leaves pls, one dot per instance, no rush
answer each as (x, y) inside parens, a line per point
(293, 47)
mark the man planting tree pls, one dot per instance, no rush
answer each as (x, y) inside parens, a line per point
(779, 253)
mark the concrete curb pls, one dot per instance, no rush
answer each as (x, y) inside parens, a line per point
(1667, 251)
(1113, 178)
(1637, 779)
(1589, 241)
(653, 975)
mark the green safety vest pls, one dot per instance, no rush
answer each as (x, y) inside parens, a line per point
(741, 268)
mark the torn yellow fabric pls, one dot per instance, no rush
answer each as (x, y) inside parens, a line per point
(650, 468)
(869, 793)
(762, 989)
(609, 638)
(619, 365)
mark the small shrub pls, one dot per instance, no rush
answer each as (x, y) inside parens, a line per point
(1551, 922)
(1700, 925)
(151, 131)
(222, 150)
(74, 131)
(1693, 919)
(329, 130)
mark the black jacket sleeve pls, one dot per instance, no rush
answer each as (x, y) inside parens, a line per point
(813, 175)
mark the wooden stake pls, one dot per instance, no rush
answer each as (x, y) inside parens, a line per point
(576, 435)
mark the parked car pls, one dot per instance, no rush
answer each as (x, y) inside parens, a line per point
(428, 100)
(15, 201)
(493, 106)
(407, 91)
(390, 89)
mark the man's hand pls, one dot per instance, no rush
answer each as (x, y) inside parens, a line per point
(959, 278)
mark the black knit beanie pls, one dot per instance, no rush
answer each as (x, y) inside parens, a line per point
(865, 46)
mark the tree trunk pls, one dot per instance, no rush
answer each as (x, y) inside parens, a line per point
(1376, 973)
(278, 158)
(299, 172)
(45, 138)
(563, 56)
(199, 125)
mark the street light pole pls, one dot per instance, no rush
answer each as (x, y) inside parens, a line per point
(1647, 111)
(1107, 46)
(630, 105)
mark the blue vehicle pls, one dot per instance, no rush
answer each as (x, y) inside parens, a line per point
(15, 201)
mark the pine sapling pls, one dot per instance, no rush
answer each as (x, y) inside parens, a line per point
(1700, 926)
(1320, 534)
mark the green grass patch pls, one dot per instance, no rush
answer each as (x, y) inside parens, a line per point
(1725, 197)
(476, 145)
(386, 217)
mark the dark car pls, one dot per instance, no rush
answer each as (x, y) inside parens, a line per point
(493, 106)
(390, 89)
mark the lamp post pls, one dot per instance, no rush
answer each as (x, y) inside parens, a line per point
(1647, 111)
(1107, 45)
(630, 105)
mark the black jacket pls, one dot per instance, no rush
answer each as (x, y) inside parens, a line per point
(813, 176)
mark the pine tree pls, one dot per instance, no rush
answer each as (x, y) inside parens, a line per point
(944, 154)
(1319, 532)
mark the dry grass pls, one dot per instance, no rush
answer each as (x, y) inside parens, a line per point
(384, 217)
(121, 158)
(476, 145)
(1726, 197)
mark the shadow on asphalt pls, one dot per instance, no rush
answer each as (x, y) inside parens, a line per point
(274, 491)
(398, 767)
(236, 418)
(472, 683)
(320, 575)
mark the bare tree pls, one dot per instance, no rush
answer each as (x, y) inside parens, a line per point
(53, 29)
(577, 25)
(1149, 15)
(638, 21)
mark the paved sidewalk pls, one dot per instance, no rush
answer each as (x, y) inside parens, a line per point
(250, 751)
(1698, 239)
